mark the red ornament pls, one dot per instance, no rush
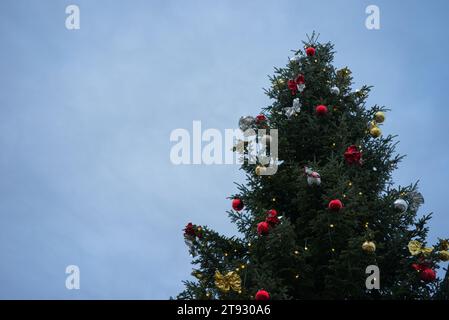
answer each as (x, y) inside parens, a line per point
(417, 267)
(428, 275)
(310, 51)
(262, 295)
(293, 84)
(353, 155)
(189, 230)
(321, 110)
(261, 118)
(263, 228)
(272, 217)
(237, 204)
(335, 205)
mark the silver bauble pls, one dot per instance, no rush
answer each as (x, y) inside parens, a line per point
(401, 205)
(335, 90)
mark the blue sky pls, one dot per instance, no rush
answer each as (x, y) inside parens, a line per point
(85, 119)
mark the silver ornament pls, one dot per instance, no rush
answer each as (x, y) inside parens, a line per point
(301, 87)
(246, 123)
(314, 179)
(295, 108)
(416, 200)
(335, 90)
(296, 59)
(401, 205)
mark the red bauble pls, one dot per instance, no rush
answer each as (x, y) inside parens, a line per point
(237, 204)
(272, 217)
(335, 205)
(310, 51)
(272, 213)
(353, 155)
(428, 275)
(262, 295)
(321, 110)
(263, 228)
(261, 118)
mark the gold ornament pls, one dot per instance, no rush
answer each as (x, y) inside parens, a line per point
(279, 83)
(369, 246)
(444, 255)
(415, 247)
(375, 132)
(230, 280)
(379, 116)
(260, 170)
(444, 243)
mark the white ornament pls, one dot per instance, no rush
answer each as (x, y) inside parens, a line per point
(301, 87)
(401, 205)
(335, 90)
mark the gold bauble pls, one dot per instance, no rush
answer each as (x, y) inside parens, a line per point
(369, 246)
(444, 255)
(260, 170)
(279, 83)
(375, 132)
(379, 117)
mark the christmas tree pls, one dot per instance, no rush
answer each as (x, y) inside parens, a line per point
(310, 230)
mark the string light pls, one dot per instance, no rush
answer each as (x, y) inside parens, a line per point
(297, 276)
(331, 225)
(296, 252)
(207, 294)
(344, 196)
(274, 199)
(242, 266)
(237, 269)
(226, 254)
(349, 183)
(360, 193)
(305, 248)
(333, 250)
(249, 244)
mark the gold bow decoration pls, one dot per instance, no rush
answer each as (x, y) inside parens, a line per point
(444, 244)
(228, 281)
(415, 247)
